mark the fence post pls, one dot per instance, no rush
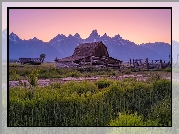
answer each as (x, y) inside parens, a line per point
(140, 62)
(147, 63)
(160, 64)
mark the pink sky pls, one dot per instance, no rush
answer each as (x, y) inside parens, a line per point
(137, 25)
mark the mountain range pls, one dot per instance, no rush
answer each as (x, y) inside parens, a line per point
(62, 46)
(175, 50)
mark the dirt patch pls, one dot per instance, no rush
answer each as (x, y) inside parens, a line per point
(47, 82)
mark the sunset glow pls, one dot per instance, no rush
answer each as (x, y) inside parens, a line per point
(136, 25)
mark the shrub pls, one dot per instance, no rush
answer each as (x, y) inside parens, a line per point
(82, 87)
(33, 78)
(131, 120)
(73, 74)
(167, 69)
(103, 83)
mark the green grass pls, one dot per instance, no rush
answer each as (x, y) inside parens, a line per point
(161, 112)
(88, 103)
(49, 70)
(91, 103)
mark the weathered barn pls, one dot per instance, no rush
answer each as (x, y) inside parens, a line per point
(94, 53)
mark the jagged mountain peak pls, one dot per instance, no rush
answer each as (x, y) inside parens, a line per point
(35, 38)
(117, 36)
(13, 34)
(70, 35)
(60, 35)
(13, 37)
(94, 33)
(104, 35)
(77, 35)
(58, 38)
(94, 36)
(117, 47)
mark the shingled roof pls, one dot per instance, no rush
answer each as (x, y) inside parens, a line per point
(87, 50)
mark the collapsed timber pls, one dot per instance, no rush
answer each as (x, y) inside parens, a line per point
(32, 61)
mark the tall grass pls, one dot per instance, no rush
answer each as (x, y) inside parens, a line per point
(86, 103)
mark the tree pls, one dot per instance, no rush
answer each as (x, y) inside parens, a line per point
(56, 59)
(42, 56)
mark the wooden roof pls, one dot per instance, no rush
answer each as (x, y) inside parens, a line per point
(87, 49)
(84, 50)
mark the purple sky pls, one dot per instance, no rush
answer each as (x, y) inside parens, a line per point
(137, 25)
(174, 5)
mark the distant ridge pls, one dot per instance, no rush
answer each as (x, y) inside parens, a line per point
(61, 46)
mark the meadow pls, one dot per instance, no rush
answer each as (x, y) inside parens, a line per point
(105, 102)
(49, 70)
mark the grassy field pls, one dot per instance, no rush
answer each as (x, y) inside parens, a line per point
(105, 102)
(102, 103)
(49, 70)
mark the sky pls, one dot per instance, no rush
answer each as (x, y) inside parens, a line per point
(136, 25)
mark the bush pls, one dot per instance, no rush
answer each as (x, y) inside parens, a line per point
(167, 69)
(80, 88)
(103, 83)
(127, 72)
(73, 74)
(33, 78)
(131, 120)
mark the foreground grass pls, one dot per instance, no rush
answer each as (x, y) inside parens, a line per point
(91, 103)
